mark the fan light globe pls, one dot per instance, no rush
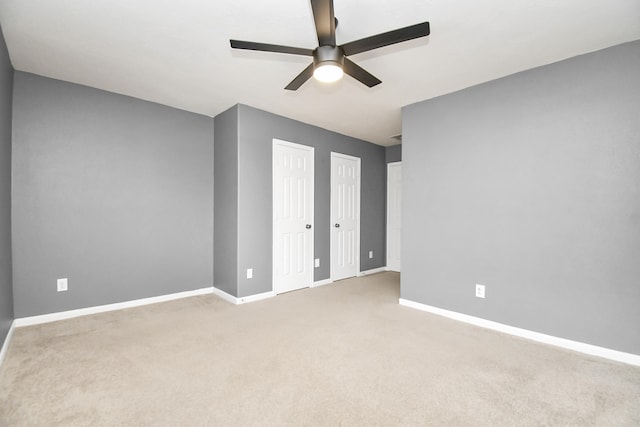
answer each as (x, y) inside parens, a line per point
(328, 73)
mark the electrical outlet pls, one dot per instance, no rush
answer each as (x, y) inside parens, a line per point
(63, 284)
(370, 254)
(249, 273)
(480, 291)
(317, 262)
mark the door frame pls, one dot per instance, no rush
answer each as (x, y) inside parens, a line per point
(310, 261)
(358, 191)
(389, 165)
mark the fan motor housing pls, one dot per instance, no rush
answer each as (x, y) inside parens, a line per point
(327, 54)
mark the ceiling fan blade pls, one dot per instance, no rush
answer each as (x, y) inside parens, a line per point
(238, 44)
(301, 78)
(325, 21)
(360, 73)
(386, 39)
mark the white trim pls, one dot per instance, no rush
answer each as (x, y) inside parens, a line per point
(242, 300)
(62, 315)
(7, 340)
(225, 296)
(373, 271)
(389, 166)
(312, 150)
(593, 350)
(256, 297)
(358, 161)
(322, 283)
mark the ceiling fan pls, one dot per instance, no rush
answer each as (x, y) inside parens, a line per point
(330, 61)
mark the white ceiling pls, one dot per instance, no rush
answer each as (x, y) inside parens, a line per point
(177, 52)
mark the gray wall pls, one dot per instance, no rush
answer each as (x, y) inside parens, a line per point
(6, 91)
(530, 185)
(112, 192)
(393, 153)
(256, 132)
(226, 201)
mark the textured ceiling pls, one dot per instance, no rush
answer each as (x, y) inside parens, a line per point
(177, 52)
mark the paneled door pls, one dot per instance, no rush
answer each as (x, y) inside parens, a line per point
(345, 216)
(292, 216)
(394, 211)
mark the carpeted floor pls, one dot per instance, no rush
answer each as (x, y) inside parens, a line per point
(343, 354)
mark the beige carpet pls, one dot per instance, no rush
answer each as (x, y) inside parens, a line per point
(343, 354)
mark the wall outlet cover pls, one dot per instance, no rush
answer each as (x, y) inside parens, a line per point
(480, 291)
(317, 262)
(370, 254)
(62, 285)
(249, 273)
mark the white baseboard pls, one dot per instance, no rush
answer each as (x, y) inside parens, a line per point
(225, 296)
(242, 300)
(7, 340)
(52, 317)
(593, 350)
(321, 283)
(256, 297)
(372, 271)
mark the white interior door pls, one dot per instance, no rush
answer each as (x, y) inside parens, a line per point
(292, 216)
(394, 204)
(345, 216)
